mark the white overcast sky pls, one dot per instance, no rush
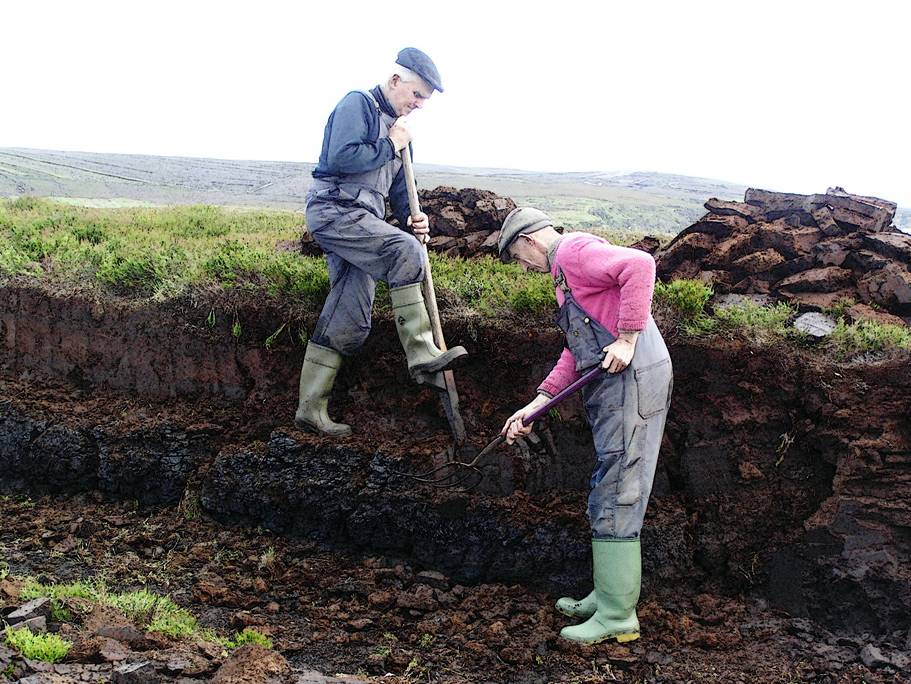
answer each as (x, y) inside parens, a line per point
(793, 96)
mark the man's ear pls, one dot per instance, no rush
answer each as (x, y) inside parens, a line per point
(394, 81)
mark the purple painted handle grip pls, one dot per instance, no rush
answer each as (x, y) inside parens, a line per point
(578, 384)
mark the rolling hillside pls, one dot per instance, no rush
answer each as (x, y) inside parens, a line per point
(641, 202)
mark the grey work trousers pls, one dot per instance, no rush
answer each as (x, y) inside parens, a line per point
(360, 249)
(627, 412)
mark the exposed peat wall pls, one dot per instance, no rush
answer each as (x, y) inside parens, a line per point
(779, 473)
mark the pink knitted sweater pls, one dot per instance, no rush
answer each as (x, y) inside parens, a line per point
(613, 284)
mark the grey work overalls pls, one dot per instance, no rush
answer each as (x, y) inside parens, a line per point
(626, 410)
(345, 217)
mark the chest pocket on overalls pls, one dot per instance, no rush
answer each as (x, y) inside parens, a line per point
(585, 336)
(581, 338)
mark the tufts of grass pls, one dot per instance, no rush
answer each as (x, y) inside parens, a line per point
(246, 637)
(249, 636)
(59, 612)
(684, 303)
(491, 287)
(681, 303)
(840, 308)
(268, 559)
(687, 298)
(93, 590)
(48, 648)
(149, 611)
(156, 613)
(190, 505)
(90, 233)
(752, 322)
(27, 203)
(757, 323)
(864, 337)
(154, 252)
(165, 252)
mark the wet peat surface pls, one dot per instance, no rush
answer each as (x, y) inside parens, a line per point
(376, 616)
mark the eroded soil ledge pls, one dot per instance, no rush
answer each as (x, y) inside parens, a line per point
(781, 476)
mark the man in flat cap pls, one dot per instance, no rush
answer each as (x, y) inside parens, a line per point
(360, 166)
(605, 296)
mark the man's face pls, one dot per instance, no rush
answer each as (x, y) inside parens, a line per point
(405, 97)
(523, 251)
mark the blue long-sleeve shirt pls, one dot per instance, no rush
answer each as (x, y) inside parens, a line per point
(351, 144)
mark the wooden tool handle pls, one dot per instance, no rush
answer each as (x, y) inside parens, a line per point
(430, 296)
(413, 202)
(450, 397)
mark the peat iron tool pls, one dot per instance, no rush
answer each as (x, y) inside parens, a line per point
(456, 473)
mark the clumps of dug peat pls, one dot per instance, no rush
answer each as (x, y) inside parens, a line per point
(813, 251)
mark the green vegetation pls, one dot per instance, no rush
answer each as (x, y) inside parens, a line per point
(757, 323)
(161, 253)
(248, 636)
(149, 611)
(157, 252)
(687, 298)
(87, 590)
(59, 612)
(490, 287)
(165, 252)
(268, 559)
(49, 648)
(681, 305)
(684, 302)
(840, 308)
(864, 337)
(155, 613)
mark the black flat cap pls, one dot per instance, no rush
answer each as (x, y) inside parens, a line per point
(422, 65)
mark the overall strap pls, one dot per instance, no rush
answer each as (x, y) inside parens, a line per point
(560, 281)
(373, 99)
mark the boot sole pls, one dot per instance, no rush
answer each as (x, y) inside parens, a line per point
(424, 369)
(621, 638)
(307, 427)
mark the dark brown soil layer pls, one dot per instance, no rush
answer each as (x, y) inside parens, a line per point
(375, 614)
(782, 479)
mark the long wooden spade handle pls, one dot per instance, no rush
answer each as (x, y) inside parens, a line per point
(430, 295)
(450, 397)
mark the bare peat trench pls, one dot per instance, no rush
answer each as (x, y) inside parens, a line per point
(780, 476)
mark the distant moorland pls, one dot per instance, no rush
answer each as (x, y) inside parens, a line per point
(632, 203)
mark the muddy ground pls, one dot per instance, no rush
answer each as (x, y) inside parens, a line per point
(372, 615)
(775, 546)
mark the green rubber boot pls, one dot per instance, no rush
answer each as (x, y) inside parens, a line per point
(618, 578)
(416, 336)
(318, 373)
(583, 608)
